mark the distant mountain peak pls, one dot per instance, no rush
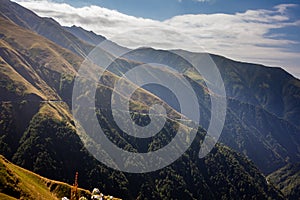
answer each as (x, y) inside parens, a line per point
(87, 36)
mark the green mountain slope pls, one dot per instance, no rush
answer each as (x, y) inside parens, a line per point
(273, 89)
(269, 141)
(287, 179)
(46, 27)
(274, 92)
(18, 183)
(43, 72)
(47, 141)
(253, 126)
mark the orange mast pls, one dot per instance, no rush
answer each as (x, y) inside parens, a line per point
(74, 188)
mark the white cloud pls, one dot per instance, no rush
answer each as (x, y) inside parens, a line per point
(282, 8)
(241, 36)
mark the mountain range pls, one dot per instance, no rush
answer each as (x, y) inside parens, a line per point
(39, 62)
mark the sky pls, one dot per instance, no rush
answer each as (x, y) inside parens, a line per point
(257, 31)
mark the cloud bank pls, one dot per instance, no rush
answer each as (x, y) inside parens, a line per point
(243, 36)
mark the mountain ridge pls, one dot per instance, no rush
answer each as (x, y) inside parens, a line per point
(43, 26)
(47, 142)
(241, 130)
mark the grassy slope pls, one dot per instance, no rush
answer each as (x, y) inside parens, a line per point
(38, 48)
(27, 59)
(18, 183)
(46, 27)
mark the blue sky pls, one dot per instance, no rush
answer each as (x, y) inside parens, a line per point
(257, 31)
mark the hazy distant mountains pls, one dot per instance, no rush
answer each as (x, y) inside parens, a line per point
(39, 59)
